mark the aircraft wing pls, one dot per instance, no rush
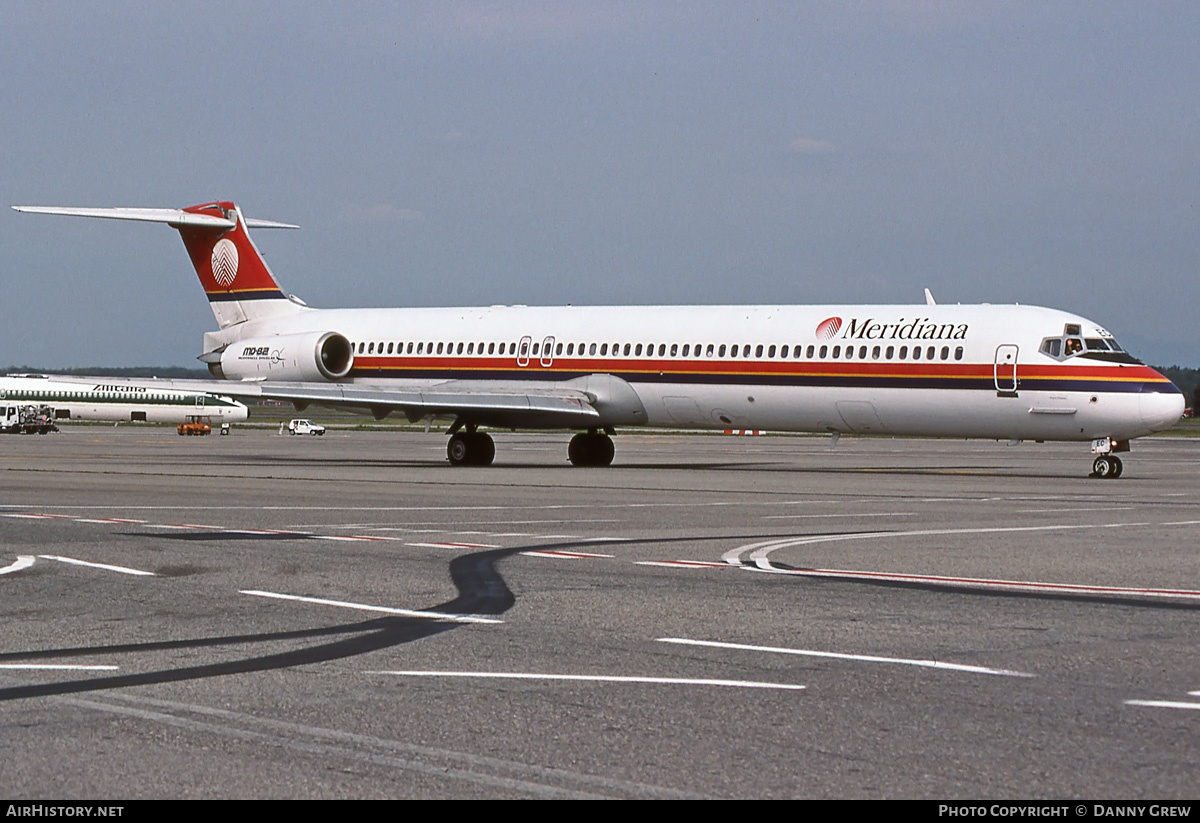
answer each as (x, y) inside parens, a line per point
(482, 405)
(500, 405)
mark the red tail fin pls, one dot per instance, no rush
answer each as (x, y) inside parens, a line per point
(236, 279)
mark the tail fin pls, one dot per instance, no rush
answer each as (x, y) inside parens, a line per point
(235, 277)
(239, 285)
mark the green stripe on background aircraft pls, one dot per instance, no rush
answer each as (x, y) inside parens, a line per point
(1007, 372)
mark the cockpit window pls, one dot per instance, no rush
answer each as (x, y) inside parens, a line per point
(1072, 344)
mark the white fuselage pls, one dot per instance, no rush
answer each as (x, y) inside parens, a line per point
(119, 401)
(937, 370)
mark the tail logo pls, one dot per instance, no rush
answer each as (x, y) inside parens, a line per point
(224, 262)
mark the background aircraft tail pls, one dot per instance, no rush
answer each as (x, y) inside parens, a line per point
(239, 285)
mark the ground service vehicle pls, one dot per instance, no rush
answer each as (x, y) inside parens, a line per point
(195, 426)
(301, 426)
(27, 420)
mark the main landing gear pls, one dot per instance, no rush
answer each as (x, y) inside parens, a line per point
(474, 448)
(591, 449)
(471, 448)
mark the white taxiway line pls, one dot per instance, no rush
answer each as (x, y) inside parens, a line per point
(24, 561)
(1162, 704)
(591, 678)
(55, 667)
(72, 561)
(565, 554)
(862, 658)
(456, 618)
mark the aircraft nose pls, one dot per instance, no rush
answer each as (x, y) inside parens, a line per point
(1161, 410)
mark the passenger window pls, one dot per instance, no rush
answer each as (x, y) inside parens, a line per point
(558, 349)
(916, 352)
(440, 347)
(810, 352)
(929, 353)
(824, 350)
(945, 352)
(875, 353)
(491, 348)
(849, 352)
(638, 350)
(837, 352)
(686, 348)
(862, 352)
(535, 348)
(709, 350)
(662, 349)
(890, 351)
(389, 351)
(958, 353)
(771, 351)
(674, 349)
(470, 348)
(592, 349)
(721, 351)
(627, 349)
(603, 349)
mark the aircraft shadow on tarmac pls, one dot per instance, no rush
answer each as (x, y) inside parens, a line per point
(482, 592)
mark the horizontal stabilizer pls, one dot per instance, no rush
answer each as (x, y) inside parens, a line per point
(172, 217)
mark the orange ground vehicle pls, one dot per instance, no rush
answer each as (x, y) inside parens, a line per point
(195, 425)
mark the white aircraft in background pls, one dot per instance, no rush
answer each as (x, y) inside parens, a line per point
(982, 371)
(116, 401)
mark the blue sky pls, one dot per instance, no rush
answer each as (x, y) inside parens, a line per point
(603, 152)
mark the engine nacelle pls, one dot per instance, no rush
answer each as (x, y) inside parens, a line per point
(311, 357)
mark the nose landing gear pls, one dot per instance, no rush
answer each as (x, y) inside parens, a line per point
(1107, 467)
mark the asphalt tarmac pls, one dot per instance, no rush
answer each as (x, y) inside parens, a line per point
(264, 616)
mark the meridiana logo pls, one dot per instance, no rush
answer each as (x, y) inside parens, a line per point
(828, 327)
(224, 262)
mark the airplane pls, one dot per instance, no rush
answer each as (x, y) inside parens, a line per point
(1007, 372)
(112, 400)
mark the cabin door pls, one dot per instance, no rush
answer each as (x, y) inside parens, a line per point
(1005, 369)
